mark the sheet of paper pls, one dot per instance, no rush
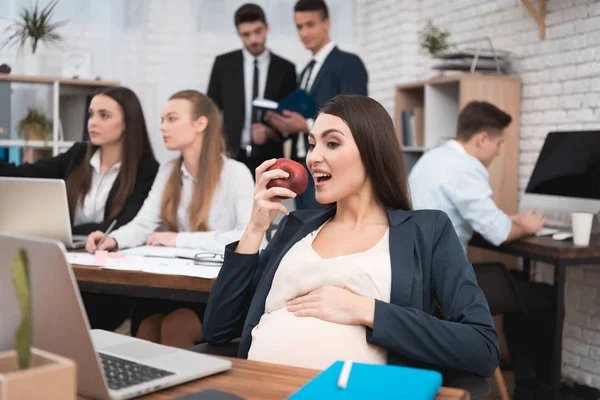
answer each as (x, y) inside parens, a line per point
(265, 103)
(154, 265)
(107, 260)
(160, 251)
(82, 259)
(186, 269)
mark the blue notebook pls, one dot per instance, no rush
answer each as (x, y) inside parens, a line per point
(298, 101)
(371, 381)
(301, 102)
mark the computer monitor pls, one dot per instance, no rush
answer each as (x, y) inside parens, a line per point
(566, 176)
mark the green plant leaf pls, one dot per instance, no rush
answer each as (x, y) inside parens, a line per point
(24, 334)
(434, 39)
(34, 25)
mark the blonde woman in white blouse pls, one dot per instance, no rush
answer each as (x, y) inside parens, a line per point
(202, 199)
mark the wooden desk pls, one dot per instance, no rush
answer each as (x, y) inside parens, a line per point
(561, 254)
(142, 284)
(257, 380)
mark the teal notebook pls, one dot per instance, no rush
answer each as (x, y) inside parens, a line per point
(371, 381)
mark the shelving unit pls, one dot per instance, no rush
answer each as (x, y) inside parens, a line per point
(36, 144)
(442, 99)
(68, 110)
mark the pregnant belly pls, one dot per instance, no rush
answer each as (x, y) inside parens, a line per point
(282, 338)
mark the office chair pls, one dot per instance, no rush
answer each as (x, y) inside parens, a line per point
(495, 281)
(229, 349)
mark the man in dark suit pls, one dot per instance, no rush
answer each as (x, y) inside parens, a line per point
(239, 77)
(329, 73)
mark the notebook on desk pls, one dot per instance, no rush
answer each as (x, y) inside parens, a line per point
(371, 381)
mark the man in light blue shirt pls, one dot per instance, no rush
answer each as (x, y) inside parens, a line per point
(454, 178)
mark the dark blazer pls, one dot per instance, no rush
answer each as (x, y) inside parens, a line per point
(61, 166)
(430, 272)
(341, 73)
(226, 89)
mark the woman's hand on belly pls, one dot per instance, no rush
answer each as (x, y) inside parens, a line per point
(167, 239)
(334, 304)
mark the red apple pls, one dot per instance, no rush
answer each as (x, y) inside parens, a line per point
(298, 179)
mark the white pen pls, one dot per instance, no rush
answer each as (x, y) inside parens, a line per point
(344, 374)
(110, 228)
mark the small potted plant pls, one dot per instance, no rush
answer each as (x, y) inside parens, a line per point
(26, 372)
(33, 26)
(433, 39)
(35, 126)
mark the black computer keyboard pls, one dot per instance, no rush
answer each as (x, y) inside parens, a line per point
(122, 373)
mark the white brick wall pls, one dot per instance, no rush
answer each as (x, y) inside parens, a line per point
(561, 90)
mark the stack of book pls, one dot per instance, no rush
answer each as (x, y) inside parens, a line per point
(472, 60)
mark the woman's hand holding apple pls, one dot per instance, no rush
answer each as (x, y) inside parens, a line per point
(272, 186)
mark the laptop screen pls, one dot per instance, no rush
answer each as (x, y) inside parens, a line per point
(568, 165)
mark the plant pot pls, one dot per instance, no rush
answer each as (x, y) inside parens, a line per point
(49, 377)
(32, 63)
(34, 132)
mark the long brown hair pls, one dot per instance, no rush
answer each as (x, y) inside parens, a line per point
(135, 146)
(378, 145)
(209, 168)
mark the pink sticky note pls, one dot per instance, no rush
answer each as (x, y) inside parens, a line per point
(116, 255)
(100, 257)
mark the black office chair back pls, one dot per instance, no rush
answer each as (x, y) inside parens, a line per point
(497, 284)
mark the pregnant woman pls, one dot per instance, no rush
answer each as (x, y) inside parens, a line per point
(367, 279)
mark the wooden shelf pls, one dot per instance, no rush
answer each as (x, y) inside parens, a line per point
(414, 149)
(50, 80)
(539, 14)
(34, 144)
(68, 104)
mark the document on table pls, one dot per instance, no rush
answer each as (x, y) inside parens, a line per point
(165, 266)
(161, 251)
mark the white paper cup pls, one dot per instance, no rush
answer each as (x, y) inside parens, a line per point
(582, 228)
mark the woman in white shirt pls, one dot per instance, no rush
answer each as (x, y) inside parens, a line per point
(107, 179)
(202, 200)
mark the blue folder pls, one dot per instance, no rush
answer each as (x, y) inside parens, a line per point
(301, 102)
(15, 155)
(371, 381)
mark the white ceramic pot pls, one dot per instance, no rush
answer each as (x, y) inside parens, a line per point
(32, 63)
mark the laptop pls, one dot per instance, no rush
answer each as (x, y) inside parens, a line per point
(109, 365)
(37, 207)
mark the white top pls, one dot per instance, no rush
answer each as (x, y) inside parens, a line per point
(94, 203)
(319, 59)
(263, 70)
(229, 212)
(447, 178)
(282, 338)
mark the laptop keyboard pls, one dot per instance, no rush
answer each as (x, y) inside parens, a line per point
(122, 373)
